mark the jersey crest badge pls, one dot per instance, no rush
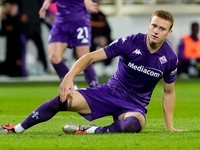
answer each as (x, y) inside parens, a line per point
(163, 59)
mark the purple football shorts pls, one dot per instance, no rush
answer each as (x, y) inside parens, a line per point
(75, 33)
(105, 101)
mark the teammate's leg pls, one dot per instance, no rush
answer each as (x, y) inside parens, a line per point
(89, 73)
(56, 51)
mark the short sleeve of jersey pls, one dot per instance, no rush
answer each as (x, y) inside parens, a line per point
(171, 75)
(112, 50)
(119, 46)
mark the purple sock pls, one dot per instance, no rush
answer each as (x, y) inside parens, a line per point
(129, 124)
(44, 112)
(61, 69)
(90, 76)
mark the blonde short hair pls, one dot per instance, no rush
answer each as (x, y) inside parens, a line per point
(164, 15)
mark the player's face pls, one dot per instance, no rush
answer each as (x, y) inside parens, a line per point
(159, 29)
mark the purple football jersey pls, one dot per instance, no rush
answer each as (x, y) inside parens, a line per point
(138, 70)
(71, 10)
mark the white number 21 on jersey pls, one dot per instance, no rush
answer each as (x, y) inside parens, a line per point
(82, 33)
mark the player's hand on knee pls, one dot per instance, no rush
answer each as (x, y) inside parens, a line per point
(66, 87)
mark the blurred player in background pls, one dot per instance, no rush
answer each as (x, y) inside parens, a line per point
(189, 53)
(144, 59)
(13, 29)
(101, 36)
(71, 29)
(33, 28)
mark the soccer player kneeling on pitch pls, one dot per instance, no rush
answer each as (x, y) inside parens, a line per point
(143, 60)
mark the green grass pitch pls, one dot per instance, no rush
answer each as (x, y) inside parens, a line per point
(16, 102)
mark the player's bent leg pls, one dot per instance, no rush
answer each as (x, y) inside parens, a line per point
(139, 116)
(130, 124)
(47, 110)
(43, 113)
(78, 103)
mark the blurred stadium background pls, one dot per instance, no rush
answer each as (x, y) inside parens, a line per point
(125, 17)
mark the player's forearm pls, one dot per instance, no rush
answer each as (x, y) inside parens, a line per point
(168, 109)
(80, 65)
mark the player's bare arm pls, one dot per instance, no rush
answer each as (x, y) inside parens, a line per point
(91, 6)
(45, 6)
(80, 65)
(168, 106)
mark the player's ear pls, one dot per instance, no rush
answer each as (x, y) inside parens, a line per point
(170, 32)
(148, 25)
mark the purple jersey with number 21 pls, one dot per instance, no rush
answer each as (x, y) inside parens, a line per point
(72, 24)
(71, 10)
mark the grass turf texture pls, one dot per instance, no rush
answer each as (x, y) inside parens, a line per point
(16, 102)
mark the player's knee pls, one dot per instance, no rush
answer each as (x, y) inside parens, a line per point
(133, 125)
(54, 60)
